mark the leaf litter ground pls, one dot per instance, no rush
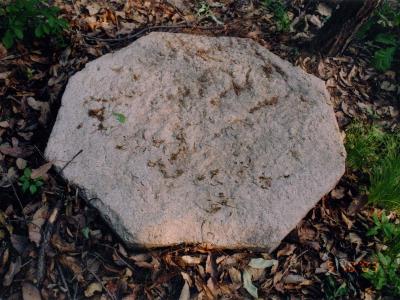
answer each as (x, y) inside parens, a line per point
(55, 246)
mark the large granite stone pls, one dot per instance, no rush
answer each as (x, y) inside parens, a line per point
(195, 139)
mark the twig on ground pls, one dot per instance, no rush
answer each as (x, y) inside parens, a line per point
(119, 256)
(39, 152)
(11, 57)
(68, 162)
(48, 232)
(104, 287)
(75, 290)
(18, 199)
(26, 263)
(151, 28)
(60, 271)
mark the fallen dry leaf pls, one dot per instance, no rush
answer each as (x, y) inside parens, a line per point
(16, 151)
(191, 260)
(287, 250)
(43, 107)
(21, 163)
(30, 292)
(346, 220)
(73, 265)
(338, 193)
(235, 275)
(3, 51)
(296, 279)
(211, 267)
(19, 242)
(35, 226)
(92, 289)
(13, 269)
(61, 245)
(185, 293)
(324, 10)
(93, 8)
(41, 172)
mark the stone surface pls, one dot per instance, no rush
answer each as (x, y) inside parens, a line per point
(194, 139)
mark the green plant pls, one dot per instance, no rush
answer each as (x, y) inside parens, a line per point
(334, 290)
(383, 58)
(204, 10)
(385, 183)
(364, 146)
(278, 9)
(29, 184)
(86, 232)
(383, 32)
(120, 117)
(387, 231)
(20, 19)
(385, 275)
(377, 154)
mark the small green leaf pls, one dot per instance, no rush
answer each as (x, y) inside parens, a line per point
(386, 39)
(8, 39)
(248, 285)
(52, 21)
(120, 117)
(25, 185)
(39, 31)
(18, 33)
(33, 189)
(86, 232)
(27, 172)
(46, 28)
(383, 58)
(341, 291)
(63, 23)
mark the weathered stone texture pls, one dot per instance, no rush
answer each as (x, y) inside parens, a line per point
(223, 143)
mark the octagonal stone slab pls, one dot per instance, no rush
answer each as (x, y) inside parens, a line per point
(195, 139)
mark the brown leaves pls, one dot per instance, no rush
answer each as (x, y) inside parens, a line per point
(287, 250)
(13, 269)
(188, 260)
(211, 267)
(16, 151)
(35, 226)
(42, 107)
(30, 292)
(93, 288)
(41, 172)
(3, 51)
(61, 245)
(73, 265)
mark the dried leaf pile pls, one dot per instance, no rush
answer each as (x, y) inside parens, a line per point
(54, 246)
